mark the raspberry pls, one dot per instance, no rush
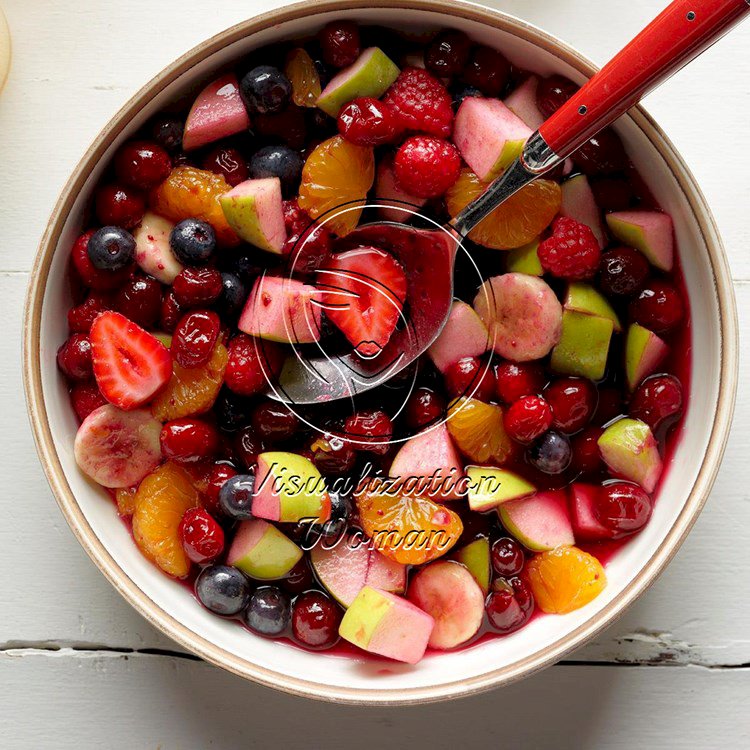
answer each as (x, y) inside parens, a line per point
(194, 287)
(527, 419)
(368, 122)
(426, 167)
(572, 251)
(245, 372)
(421, 103)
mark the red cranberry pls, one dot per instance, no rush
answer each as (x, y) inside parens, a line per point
(201, 536)
(339, 43)
(658, 307)
(95, 278)
(74, 357)
(288, 125)
(195, 337)
(215, 478)
(142, 164)
(307, 251)
(315, 620)
(448, 53)
(507, 557)
(139, 299)
(610, 405)
(656, 399)
(553, 92)
(195, 287)
(470, 377)
(522, 592)
(586, 456)
(504, 611)
(274, 422)
(622, 507)
(332, 454)
(573, 401)
(370, 430)
(612, 194)
(527, 419)
(367, 122)
(603, 154)
(299, 579)
(487, 70)
(81, 317)
(85, 397)
(247, 447)
(423, 408)
(515, 381)
(622, 271)
(120, 206)
(250, 362)
(171, 312)
(189, 440)
(227, 162)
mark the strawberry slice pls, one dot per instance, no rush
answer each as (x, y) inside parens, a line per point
(130, 365)
(363, 293)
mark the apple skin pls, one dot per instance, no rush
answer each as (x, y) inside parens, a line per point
(583, 346)
(524, 259)
(504, 486)
(152, 251)
(540, 522)
(476, 557)
(261, 551)
(644, 352)
(651, 232)
(254, 209)
(522, 103)
(630, 450)
(578, 203)
(583, 298)
(464, 335)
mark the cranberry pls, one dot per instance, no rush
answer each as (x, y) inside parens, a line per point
(527, 419)
(586, 456)
(504, 611)
(553, 92)
(656, 399)
(448, 53)
(507, 557)
(522, 592)
(85, 397)
(195, 287)
(367, 122)
(274, 422)
(515, 381)
(142, 164)
(139, 299)
(470, 377)
(315, 620)
(247, 447)
(201, 536)
(612, 194)
(603, 154)
(299, 578)
(288, 125)
(487, 70)
(658, 307)
(573, 401)
(227, 162)
(423, 408)
(195, 337)
(370, 430)
(622, 271)
(189, 440)
(332, 454)
(308, 245)
(250, 362)
(74, 357)
(622, 507)
(95, 278)
(214, 481)
(120, 206)
(610, 405)
(81, 317)
(171, 312)
(339, 43)
(167, 132)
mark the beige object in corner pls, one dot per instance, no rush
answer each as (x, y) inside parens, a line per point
(4, 49)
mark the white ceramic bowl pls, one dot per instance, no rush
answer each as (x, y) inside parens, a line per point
(170, 606)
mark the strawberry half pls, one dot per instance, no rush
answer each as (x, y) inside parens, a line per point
(130, 365)
(363, 293)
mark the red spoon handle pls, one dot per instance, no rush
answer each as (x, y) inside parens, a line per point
(680, 33)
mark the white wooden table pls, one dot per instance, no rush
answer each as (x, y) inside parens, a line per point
(79, 668)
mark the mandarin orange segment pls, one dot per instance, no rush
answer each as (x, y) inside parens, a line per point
(191, 193)
(409, 530)
(191, 390)
(477, 429)
(125, 499)
(303, 75)
(337, 174)
(517, 221)
(565, 579)
(160, 502)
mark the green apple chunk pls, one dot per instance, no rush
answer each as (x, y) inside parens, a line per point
(540, 522)
(630, 450)
(387, 625)
(583, 298)
(254, 209)
(644, 352)
(651, 232)
(524, 259)
(488, 487)
(289, 488)
(584, 345)
(261, 551)
(370, 75)
(476, 557)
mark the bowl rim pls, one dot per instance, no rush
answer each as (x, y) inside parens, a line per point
(151, 610)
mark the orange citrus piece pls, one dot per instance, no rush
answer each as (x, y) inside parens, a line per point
(191, 193)
(303, 75)
(477, 429)
(409, 530)
(161, 501)
(125, 498)
(191, 390)
(565, 579)
(517, 221)
(337, 174)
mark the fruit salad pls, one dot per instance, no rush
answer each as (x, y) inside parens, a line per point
(490, 482)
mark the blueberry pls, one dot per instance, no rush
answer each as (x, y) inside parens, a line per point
(269, 611)
(233, 295)
(281, 162)
(236, 496)
(551, 453)
(265, 90)
(193, 242)
(222, 589)
(232, 411)
(111, 249)
(167, 132)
